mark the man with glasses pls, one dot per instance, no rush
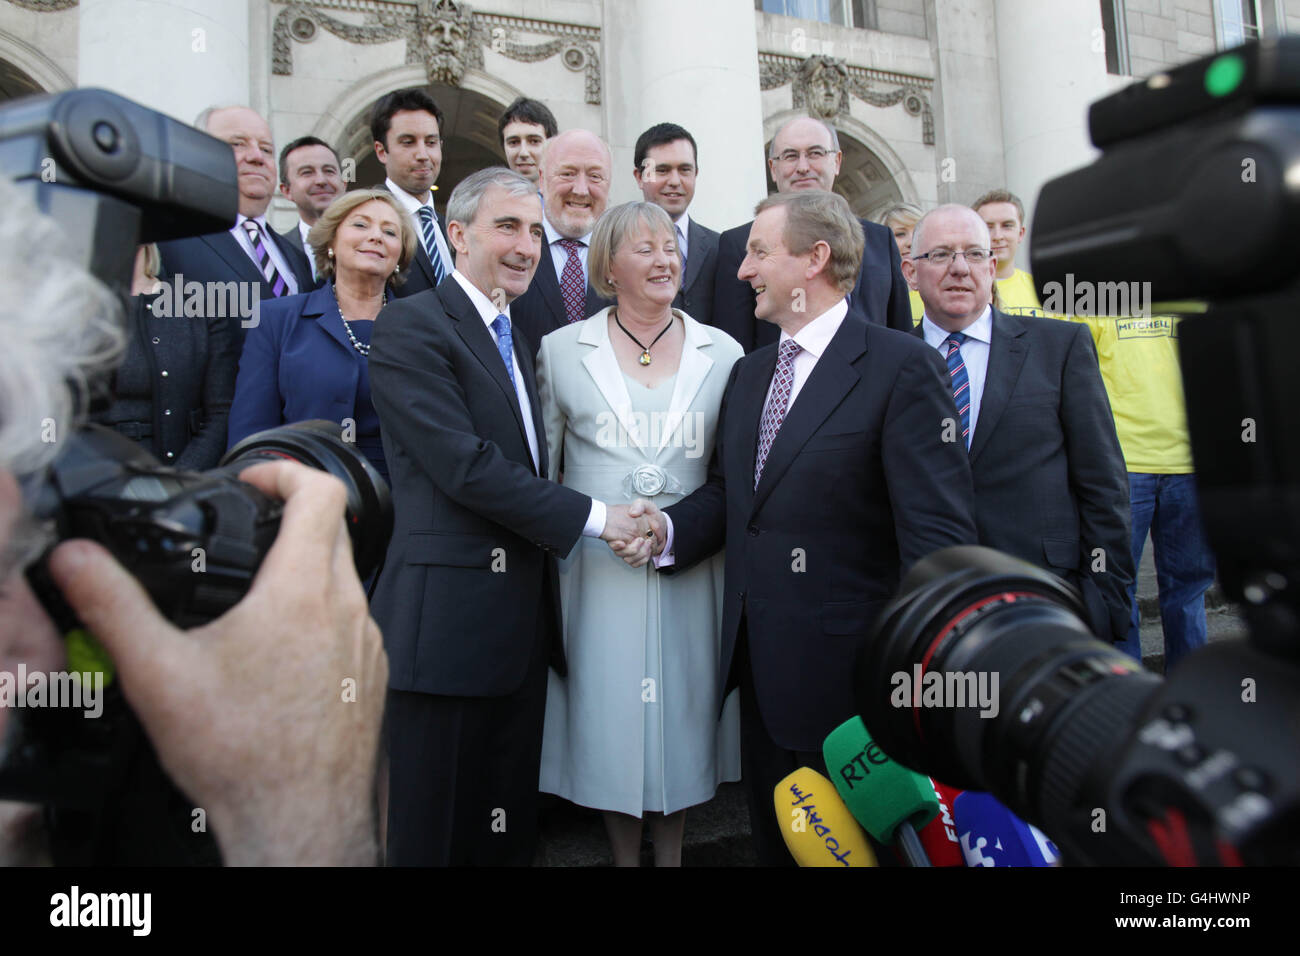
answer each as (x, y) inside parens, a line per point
(806, 154)
(1050, 484)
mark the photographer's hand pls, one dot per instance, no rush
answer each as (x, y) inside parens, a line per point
(269, 716)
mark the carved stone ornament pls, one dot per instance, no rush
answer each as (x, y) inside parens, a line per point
(822, 85)
(445, 36)
(45, 6)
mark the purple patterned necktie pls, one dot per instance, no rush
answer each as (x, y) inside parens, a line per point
(573, 284)
(778, 403)
(262, 256)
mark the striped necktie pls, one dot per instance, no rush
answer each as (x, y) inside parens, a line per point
(960, 381)
(262, 256)
(778, 403)
(681, 250)
(429, 229)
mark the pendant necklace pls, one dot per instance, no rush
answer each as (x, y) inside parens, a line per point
(645, 350)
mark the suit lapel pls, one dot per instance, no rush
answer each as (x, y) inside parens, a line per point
(475, 335)
(548, 286)
(1006, 357)
(602, 365)
(322, 305)
(691, 373)
(525, 359)
(229, 250)
(752, 384)
(698, 249)
(831, 379)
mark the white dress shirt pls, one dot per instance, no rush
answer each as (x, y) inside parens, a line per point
(303, 229)
(813, 339)
(488, 313)
(559, 256)
(281, 264)
(412, 206)
(974, 352)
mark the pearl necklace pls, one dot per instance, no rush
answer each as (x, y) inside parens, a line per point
(362, 348)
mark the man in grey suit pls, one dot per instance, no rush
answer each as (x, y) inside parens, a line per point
(310, 179)
(1050, 481)
(666, 167)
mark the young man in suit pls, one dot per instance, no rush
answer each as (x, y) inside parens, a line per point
(830, 478)
(250, 251)
(1050, 483)
(666, 167)
(406, 126)
(806, 154)
(576, 168)
(468, 600)
(310, 179)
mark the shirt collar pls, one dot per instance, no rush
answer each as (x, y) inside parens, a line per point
(409, 202)
(683, 222)
(817, 334)
(486, 309)
(553, 236)
(240, 219)
(981, 330)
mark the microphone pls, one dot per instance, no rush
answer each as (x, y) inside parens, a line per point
(991, 835)
(816, 825)
(939, 837)
(887, 798)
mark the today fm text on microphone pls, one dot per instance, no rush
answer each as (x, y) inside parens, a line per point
(889, 800)
(817, 827)
(939, 837)
(991, 835)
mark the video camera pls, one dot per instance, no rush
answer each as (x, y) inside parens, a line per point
(115, 174)
(1197, 192)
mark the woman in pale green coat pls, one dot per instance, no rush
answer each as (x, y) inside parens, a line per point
(630, 398)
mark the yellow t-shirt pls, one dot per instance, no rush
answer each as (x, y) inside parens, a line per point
(918, 307)
(1017, 295)
(1139, 364)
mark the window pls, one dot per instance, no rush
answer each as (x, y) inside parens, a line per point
(1236, 21)
(844, 13)
(1114, 26)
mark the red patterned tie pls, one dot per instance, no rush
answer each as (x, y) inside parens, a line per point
(573, 284)
(778, 403)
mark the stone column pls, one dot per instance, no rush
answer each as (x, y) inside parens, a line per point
(175, 56)
(1045, 96)
(695, 64)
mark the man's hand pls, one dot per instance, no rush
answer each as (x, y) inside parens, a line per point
(621, 528)
(269, 716)
(650, 537)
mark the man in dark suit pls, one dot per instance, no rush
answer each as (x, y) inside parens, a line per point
(806, 154)
(406, 126)
(829, 479)
(468, 601)
(576, 168)
(250, 251)
(310, 179)
(1050, 482)
(666, 167)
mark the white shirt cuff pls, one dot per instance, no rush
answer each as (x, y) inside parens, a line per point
(666, 558)
(595, 520)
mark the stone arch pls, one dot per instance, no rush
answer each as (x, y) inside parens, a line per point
(872, 176)
(30, 70)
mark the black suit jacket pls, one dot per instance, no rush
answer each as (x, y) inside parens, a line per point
(1051, 486)
(858, 486)
(541, 308)
(880, 295)
(218, 257)
(477, 530)
(695, 297)
(419, 272)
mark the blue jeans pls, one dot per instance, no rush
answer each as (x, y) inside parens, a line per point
(1167, 506)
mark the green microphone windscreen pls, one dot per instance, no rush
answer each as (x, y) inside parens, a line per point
(879, 792)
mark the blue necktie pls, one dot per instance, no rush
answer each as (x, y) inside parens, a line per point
(429, 227)
(681, 249)
(505, 345)
(960, 381)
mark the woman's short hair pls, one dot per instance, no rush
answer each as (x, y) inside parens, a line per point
(813, 216)
(152, 260)
(612, 229)
(903, 214)
(321, 235)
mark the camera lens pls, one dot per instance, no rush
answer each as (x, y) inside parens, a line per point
(982, 674)
(319, 444)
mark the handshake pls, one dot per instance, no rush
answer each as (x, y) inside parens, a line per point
(635, 532)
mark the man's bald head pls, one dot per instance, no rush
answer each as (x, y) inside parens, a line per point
(250, 137)
(805, 154)
(955, 292)
(576, 169)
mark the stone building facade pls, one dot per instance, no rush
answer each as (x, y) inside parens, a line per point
(933, 100)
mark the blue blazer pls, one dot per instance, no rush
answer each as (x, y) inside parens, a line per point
(297, 364)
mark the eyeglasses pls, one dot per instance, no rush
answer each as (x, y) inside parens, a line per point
(941, 257)
(791, 156)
